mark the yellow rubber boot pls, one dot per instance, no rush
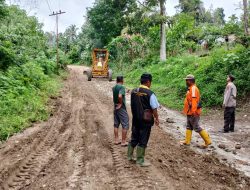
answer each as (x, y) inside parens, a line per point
(206, 138)
(187, 141)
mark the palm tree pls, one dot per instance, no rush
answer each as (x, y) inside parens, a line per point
(163, 49)
(245, 6)
(71, 33)
(163, 55)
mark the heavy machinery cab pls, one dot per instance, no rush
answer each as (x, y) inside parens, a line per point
(100, 67)
(100, 63)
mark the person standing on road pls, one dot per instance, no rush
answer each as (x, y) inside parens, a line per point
(120, 111)
(192, 108)
(100, 63)
(229, 104)
(144, 106)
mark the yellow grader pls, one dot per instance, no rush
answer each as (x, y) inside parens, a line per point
(100, 67)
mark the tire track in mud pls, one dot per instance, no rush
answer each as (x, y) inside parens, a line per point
(44, 148)
(70, 162)
(128, 175)
(76, 160)
(97, 133)
(32, 165)
(78, 153)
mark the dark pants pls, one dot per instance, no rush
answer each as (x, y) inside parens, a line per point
(193, 123)
(140, 134)
(229, 119)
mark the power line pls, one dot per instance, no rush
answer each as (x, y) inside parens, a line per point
(48, 6)
(52, 4)
(59, 4)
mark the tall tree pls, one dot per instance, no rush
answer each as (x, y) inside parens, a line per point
(219, 16)
(2, 9)
(208, 17)
(193, 7)
(71, 33)
(245, 6)
(22, 36)
(233, 26)
(69, 38)
(141, 19)
(188, 6)
(161, 3)
(107, 18)
(163, 50)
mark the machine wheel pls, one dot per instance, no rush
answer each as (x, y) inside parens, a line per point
(89, 75)
(110, 75)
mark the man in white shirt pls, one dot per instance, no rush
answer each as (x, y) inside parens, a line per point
(229, 104)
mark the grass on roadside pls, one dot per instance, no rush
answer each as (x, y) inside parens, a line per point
(25, 102)
(210, 72)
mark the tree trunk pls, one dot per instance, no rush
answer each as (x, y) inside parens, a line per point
(163, 56)
(245, 5)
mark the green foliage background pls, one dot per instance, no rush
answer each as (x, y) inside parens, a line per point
(211, 73)
(28, 71)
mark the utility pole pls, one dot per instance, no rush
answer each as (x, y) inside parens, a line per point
(245, 8)
(57, 35)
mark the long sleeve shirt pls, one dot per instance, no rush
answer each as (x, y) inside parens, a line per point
(192, 100)
(230, 95)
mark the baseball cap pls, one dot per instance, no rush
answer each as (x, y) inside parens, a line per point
(189, 77)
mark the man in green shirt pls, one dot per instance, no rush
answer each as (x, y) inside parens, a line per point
(120, 111)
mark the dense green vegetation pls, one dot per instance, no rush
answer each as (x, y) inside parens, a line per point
(198, 41)
(210, 71)
(28, 73)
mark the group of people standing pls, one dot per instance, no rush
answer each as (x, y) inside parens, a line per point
(144, 105)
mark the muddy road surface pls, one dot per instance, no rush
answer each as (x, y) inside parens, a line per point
(74, 150)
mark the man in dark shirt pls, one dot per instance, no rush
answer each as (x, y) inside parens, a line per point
(144, 106)
(120, 111)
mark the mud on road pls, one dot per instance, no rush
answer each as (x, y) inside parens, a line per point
(74, 150)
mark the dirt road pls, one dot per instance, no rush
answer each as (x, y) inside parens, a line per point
(74, 150)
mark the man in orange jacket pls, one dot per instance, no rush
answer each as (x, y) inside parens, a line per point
(192, 108)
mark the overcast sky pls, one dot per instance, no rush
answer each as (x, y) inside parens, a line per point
(76, 9)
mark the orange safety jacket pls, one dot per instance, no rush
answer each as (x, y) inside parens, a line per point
(192, 105)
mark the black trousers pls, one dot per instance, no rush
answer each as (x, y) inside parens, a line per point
(140, 134)
(229, 119)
